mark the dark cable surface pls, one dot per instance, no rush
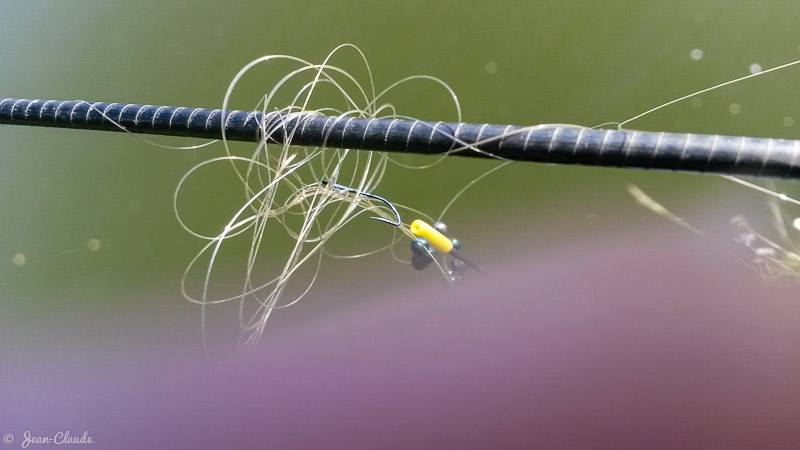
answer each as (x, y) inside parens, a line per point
(732, 155)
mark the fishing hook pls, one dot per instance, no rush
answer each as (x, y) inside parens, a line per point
(395, 222)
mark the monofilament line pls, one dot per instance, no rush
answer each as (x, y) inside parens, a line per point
(709, 89)
(558, 144)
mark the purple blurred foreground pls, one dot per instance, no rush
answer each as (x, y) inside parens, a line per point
(667, 342)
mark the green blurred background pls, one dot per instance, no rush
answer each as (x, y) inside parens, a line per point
(521, 62)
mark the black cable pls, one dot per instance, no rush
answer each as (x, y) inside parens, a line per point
(719, 154)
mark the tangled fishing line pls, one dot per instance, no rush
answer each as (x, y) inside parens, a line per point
(308, 194)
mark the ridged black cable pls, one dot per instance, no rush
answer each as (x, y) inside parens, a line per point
(733, 155)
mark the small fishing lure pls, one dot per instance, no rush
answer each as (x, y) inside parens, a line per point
(431, 243)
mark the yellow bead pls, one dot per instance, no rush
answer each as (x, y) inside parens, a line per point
(437, 240)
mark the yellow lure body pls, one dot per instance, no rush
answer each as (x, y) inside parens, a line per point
(437, 240)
